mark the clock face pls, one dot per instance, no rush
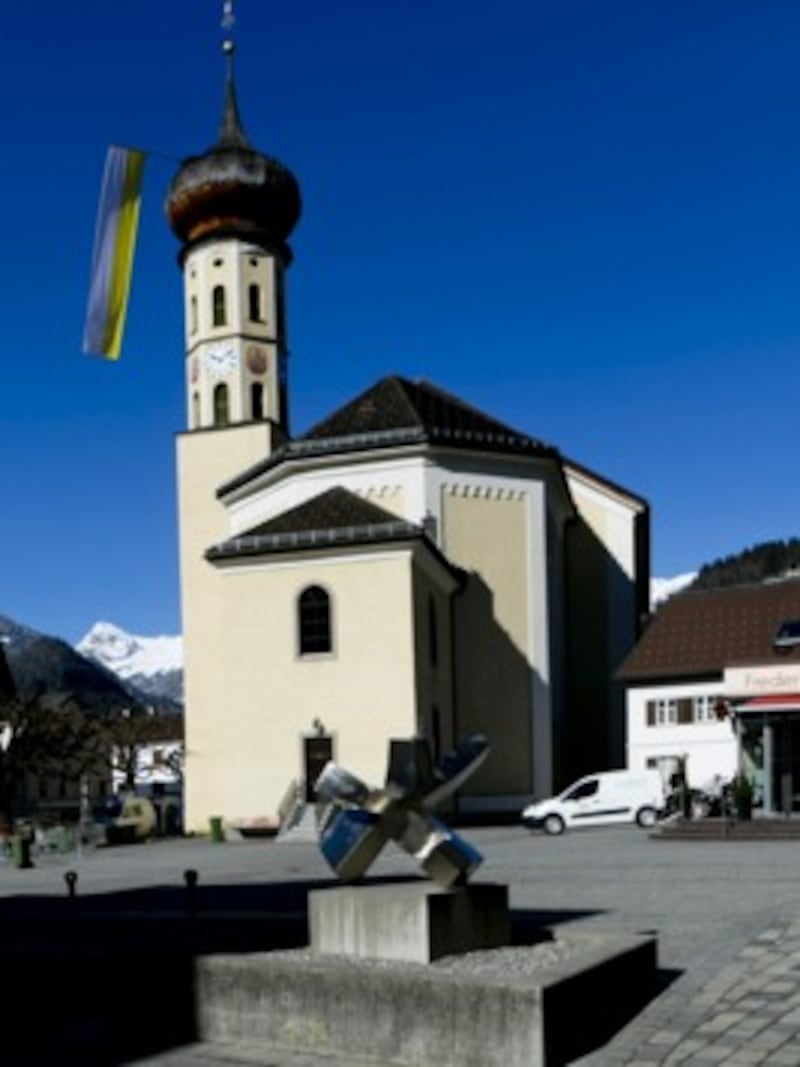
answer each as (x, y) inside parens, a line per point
(221, 360)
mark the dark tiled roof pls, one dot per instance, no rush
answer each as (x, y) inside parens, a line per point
(396, 411)
(700, 633)
(394, 403)
(335, 517)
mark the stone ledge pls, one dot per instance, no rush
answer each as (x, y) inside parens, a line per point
(519, 1007)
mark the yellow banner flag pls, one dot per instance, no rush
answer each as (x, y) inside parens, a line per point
(114, 246)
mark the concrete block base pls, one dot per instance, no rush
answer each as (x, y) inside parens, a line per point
(416, 922)
(515, 1007)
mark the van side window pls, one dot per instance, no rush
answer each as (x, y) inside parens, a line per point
(585, 789)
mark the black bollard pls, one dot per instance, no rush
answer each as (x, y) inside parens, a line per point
(190, 878)
(71, 878)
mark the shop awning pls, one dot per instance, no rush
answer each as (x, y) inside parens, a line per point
(769, 702)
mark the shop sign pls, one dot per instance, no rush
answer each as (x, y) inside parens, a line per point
(755, 681)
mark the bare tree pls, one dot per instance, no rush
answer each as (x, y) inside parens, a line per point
(127, 735)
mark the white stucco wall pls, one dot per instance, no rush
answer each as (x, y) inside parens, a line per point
(710, 746)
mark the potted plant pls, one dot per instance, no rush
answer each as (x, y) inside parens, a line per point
(742, 793)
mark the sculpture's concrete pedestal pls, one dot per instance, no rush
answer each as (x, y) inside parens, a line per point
(540, 1006)
(415, 922)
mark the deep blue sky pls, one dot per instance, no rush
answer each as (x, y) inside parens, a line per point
(581, 216)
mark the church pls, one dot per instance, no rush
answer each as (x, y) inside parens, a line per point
(410, 566)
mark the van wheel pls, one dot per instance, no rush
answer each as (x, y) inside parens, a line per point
(646, 817)
(553, 824)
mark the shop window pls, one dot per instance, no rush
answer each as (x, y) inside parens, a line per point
(681, 711)
(314, 620)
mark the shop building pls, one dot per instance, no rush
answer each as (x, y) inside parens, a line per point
(715, 680)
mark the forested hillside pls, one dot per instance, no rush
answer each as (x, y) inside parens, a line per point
(771, 559)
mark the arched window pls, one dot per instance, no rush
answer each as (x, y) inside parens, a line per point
(314, 620)
(193, 313)
(254, 295)
(257, 400)
(195, 409)
(218, 316)
(221, 412)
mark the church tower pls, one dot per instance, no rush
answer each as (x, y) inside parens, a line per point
(233, 209)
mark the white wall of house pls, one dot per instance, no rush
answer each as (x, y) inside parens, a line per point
(654, 729)
(155, 765)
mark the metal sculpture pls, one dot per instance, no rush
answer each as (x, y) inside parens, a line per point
(358, 820)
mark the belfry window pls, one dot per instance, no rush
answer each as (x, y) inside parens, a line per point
(254, 298)
(314, 620)
(218, 314)
(257, 400)
(221, 408)
(193, 313)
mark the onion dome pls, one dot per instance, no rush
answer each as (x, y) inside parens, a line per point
(232, 188)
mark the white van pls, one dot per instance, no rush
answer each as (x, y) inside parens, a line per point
(599, 800)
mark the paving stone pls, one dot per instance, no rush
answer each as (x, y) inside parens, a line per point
(714, 1054)
(665, 1037)
(768, 1039)
(686, 1048)
(752, 1003)
(744, 1057)
(771, 935)
(780, 987)
(716, 1024)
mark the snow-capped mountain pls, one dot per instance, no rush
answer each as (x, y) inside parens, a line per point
(152, 665)
(663, 588)
(47, 667)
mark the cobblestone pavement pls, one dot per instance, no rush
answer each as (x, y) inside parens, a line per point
(739, 1005)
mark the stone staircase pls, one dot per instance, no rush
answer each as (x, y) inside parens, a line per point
(301, 823)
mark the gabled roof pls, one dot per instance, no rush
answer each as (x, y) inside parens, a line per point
(334, 518)
(700, 633)
(396, 411)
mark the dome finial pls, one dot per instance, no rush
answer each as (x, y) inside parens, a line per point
(231, 134)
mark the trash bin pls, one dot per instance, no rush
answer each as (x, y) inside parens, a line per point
(21, 850)
(215, 827)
